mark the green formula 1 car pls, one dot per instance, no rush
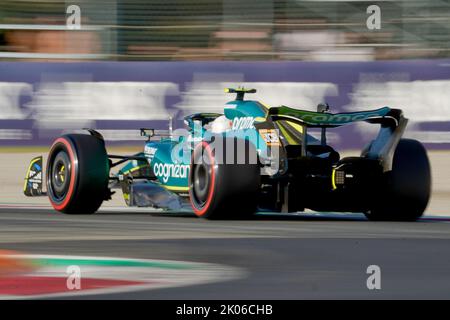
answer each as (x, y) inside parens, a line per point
(251, 158)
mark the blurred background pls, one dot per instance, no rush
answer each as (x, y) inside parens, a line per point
(224, 30)
(119, 65)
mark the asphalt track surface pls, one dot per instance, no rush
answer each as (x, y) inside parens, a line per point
(284, 257)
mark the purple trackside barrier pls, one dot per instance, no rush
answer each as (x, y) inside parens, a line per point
(39, 101)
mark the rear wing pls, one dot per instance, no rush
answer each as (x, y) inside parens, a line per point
(384, 116)
(382, 148)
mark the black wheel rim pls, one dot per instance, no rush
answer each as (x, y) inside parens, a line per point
(60, 175)
(201, 183)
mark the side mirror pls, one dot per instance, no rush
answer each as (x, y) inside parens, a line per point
(323, 107)
(145, 132)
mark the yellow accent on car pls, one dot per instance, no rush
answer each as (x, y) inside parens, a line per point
(176, 188)
(296, 126)
(135, 168)
(61, 173)
(333, 179)
(286, 135)
(28, 173)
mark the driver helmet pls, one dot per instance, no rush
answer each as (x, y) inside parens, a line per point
(220, 124)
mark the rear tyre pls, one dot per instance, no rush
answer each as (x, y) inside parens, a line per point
(77, 174)
(220, 190)
(407, 187)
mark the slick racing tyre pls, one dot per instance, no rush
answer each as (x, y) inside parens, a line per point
(221, 189)
(77, 174)
(407, 188)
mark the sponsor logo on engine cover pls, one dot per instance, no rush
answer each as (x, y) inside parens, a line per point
(270, 137)
(243, 123)
(149, 152)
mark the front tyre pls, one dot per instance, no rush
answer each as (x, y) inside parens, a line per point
(77, 174)
(407, 188)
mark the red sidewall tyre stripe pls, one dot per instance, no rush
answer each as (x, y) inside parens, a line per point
(202, 211)
(70, 192)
